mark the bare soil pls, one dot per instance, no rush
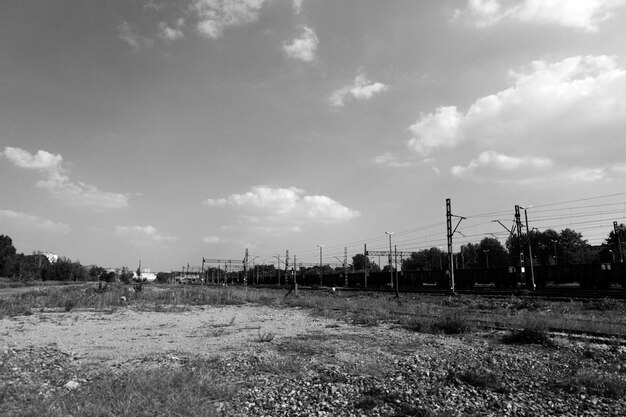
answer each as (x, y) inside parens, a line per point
(289, 362)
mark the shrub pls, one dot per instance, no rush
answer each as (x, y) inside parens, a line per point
(453, 324)
(266, 336)
(593, 382)
(534, 331)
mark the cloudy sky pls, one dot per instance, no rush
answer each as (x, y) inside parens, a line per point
(171, 130)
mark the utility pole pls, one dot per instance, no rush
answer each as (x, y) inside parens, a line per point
(321, 274)
(450, 233)
(345, 266)
(518, 225)
(365, 262)
(245, 268)
(530, 250)
(395, 253)
(390, 253)
(619, 242)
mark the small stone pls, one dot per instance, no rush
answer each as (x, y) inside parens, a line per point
(71, 385)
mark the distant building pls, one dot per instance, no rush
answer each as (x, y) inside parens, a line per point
(146, 276)
(52, 257)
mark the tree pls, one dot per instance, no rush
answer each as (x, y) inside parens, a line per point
(360, 262)
(615, 243)
(573, 245)
(546, 247)
(7, 256)
(469, 256)
(416, 262)
(491, 253)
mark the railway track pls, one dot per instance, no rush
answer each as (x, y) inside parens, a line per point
(550, 293)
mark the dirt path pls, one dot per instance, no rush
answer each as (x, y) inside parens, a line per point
(127, 334)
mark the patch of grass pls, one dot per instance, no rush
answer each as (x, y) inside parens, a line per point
(266, 337)
(606, 304)
(534, 331)
(365, 319)
(284, 365)
(453, 324)
(478, 378)
(69, 304)
(593, 382)
(190, 390)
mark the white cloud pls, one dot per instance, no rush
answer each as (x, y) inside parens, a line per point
(580, 14)
(297, 6)
(28, 222)
(42, 160)
(128, 34)
(360, 89)
(571, 112)
(171, 33)
(283, 209)
(490, 164)
(304, 47)
(436, 130)
(144, 236)
(216, 15)
(211, 239)
(391, 160)
(58, 183)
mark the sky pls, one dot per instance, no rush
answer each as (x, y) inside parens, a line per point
(167, 131)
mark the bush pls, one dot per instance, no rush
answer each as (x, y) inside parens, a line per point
(534, 331)
(453, 324)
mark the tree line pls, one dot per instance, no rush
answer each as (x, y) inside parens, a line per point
(37, 266)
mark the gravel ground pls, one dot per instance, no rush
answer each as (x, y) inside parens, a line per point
(314, 366)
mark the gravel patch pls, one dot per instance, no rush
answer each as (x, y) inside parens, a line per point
(314, 366)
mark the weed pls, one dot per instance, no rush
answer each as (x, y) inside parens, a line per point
(478, 378)
(594, 382)
(606, 304)
(365, 319)
(283, 365)
(534, 331)
(69, 304)
(414, 325)
(266, 336)
(189, 390)
(453, 324)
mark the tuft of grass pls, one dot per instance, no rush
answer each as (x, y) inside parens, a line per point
(534, 331)
(453, 324)
(69, 304)
(266, 336)
(191, 390)
(593, 382)
(478, 378)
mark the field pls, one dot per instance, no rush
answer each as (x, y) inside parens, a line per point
(227, 351)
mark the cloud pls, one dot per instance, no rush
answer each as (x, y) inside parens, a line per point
(304, 47)
(58, 183)
(128, 33)
(171, 34)
(360, 89)
(580, 14)
(143, 236)
(28, 222)
(42, 160)
(283, 209)
(436, 130)
(211, 239)
(297, 6)
(571, 112)
(391, 160)
(215, 15)
(490, 164)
